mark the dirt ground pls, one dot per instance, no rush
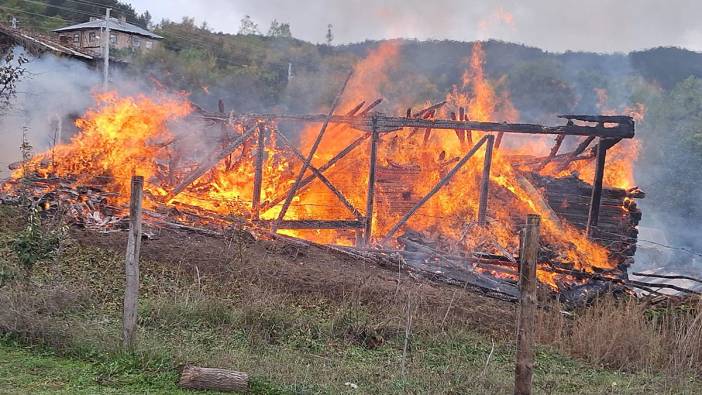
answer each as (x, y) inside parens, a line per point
(280, 266)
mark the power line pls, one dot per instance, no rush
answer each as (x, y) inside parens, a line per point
(61, 8)
(84, 3)
(33, 13)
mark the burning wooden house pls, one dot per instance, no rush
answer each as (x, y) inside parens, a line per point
(440, 192)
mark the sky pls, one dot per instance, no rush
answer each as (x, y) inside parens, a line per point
(554, 25)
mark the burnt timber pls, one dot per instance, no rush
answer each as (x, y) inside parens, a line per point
(608, 129)
(623, 126)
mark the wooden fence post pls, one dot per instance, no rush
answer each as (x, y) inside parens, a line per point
(528, 254)
(131, 264)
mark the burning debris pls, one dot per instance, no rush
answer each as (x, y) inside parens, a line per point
(453, 185)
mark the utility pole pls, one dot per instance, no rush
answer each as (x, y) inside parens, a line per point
(106, 64)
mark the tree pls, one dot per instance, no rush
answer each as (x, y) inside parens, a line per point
(11, 71)
(279, 29)
(144, 20)
(669, 164)
(539, 89)
(330, 35)
(248, 26)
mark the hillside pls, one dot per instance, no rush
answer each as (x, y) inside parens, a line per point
(297, 319)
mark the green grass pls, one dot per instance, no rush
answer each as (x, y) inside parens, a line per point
(26, 370)
(288, 343)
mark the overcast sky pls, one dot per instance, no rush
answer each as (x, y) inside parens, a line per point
(555, 25)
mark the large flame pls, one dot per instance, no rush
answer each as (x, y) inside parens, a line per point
(123, 136)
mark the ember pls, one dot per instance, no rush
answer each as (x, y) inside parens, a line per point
(456, 184)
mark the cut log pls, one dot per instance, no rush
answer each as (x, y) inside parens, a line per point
(198, 378)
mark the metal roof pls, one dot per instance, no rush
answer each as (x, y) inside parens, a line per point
(115, 24)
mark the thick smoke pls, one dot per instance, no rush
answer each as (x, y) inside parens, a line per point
(52, 92)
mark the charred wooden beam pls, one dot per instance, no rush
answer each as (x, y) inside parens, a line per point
(432, 108)
(552, 154)
(498, 141)
(485, 181)
(307, 180)
(370, 194)
(321, 177)
(370, 107)
(444, 180)
(667, 276)
(573, 154)
(313, 150)
(356, 109)
(211, 161)
(258, 175)
(621, 119)
(594, 214)
(390, 123)
(317, 224)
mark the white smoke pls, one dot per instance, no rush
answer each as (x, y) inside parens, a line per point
(51, 91)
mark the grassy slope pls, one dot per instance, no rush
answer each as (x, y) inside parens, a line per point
(288, 342)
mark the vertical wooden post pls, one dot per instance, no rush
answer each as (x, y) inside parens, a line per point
(131, 265)
(375, 138)
(258, 176)
(485, 181)
(596, 198)
(528, 254)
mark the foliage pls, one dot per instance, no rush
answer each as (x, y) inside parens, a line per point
(35, 243)
(53, 14)
(539, 87)
(279, 29)
(12, 70)
(672, 155)
(248, 26)
(667, 66)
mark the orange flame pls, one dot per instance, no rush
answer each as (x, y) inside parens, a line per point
(130, 135)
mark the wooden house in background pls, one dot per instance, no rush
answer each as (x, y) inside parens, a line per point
(87, 36)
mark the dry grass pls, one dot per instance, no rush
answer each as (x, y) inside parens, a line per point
(629, 335)
(30, 313)
(306, 330)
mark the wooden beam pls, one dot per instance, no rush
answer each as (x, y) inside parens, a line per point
(573, 154)
(370, 193)
(485, 181)
(211, 161)
(307, 180)
(313, 151)
(321, 177)
(552, 154)
(444, 180)
(258, 175)
(596, 197)
(317, 224)
(389, 123)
